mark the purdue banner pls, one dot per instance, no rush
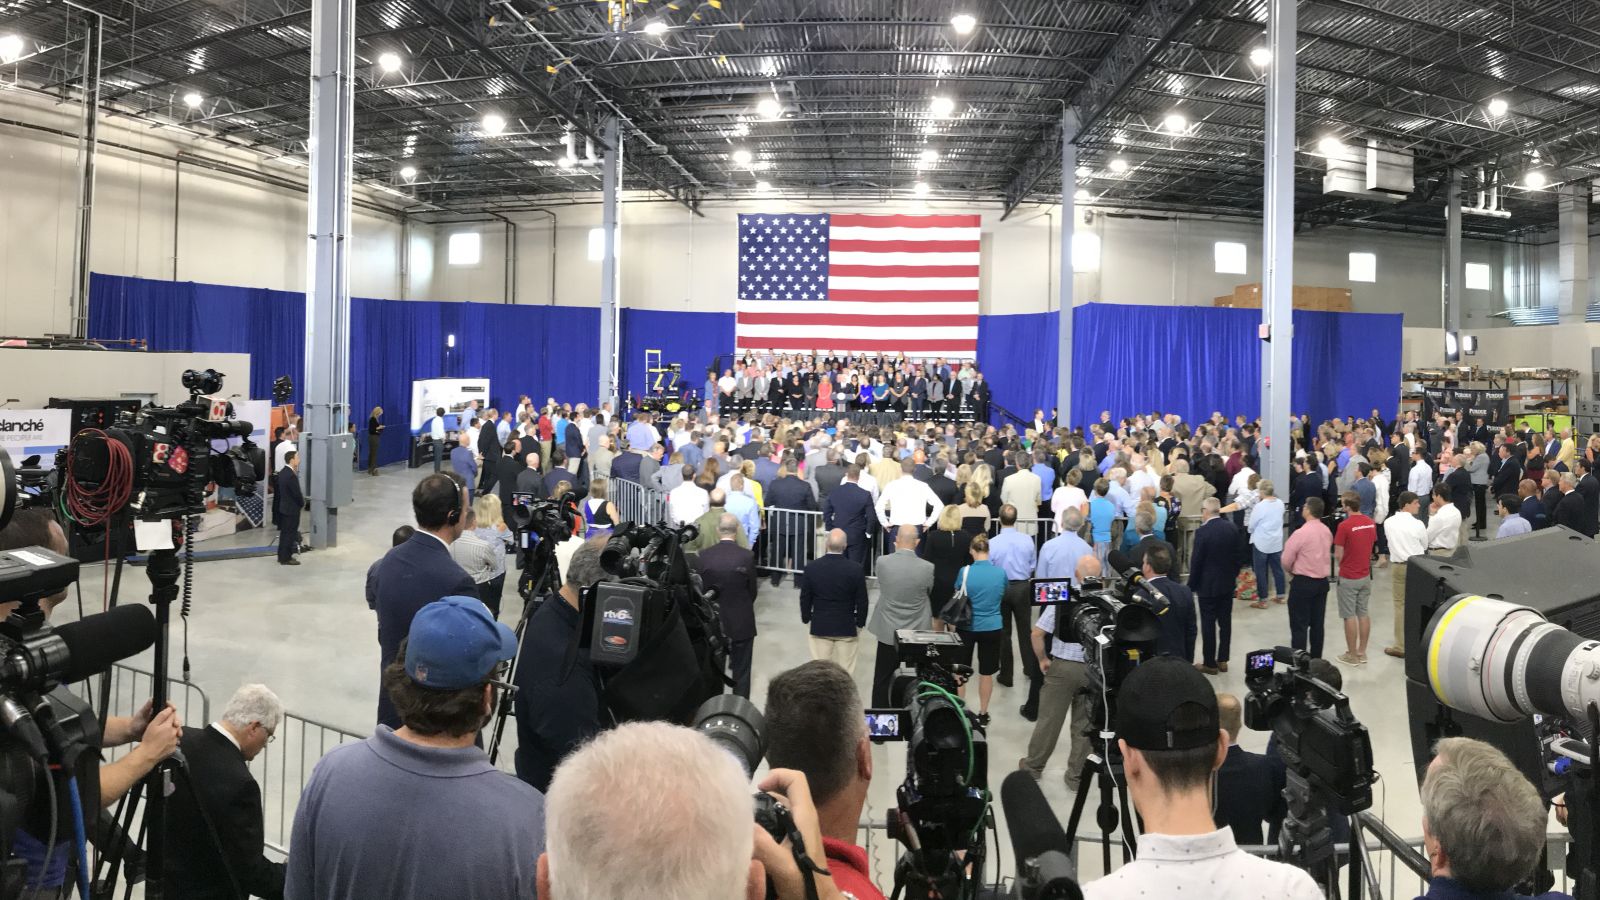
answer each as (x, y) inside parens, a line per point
(1494, 407)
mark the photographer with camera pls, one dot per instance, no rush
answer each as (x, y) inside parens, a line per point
(816, 725)
(1483, 824)
(557, 706)
(1172, 744)
(1066, 675)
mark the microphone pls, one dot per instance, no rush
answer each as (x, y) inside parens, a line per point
(1042, 849)
(1123, 565)
(78, 649)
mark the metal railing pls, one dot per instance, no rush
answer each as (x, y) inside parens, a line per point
(284, 767)
(637, 503)
(131, 687)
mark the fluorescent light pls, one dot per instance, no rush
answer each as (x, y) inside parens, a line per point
(1330, 146)
(921, 189)
(1082, 195)
(741, 130)
(656, 28)
(389, 62)
(568, 161)
(928, 157)
(1535, 180)
(11, 47)
(449, 340)
(942, 106)
(408, 172)
(1260, 57)
(770, 108)
(1175, 122)
(1498, 107)
(493, 124)
(763, 186)
(1117, 165)
(963, 23)
(193, 99)
(742, 157)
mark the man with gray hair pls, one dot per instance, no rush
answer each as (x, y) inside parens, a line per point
(729, 567)
(1483, 825)
(220, 793)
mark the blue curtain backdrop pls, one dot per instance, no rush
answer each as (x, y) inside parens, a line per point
(541, 350)
(1017, 355)
(1193, 360)
(693, 339)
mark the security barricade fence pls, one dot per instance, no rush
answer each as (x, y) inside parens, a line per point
(131, 687)
(284, 767)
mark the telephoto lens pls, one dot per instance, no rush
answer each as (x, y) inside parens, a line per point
(737, 726)
(1505, 662)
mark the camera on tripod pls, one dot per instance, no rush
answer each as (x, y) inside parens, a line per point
(1319, 737)
(1110, 619)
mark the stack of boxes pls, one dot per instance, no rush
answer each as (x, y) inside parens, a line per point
(1323, 299)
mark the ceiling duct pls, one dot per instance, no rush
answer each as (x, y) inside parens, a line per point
(1375, 174)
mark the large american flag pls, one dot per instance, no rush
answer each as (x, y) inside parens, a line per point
(859, 283)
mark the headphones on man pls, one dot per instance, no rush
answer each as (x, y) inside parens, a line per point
(453, 517)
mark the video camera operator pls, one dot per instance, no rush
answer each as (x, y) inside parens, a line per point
(660, 811)
(1483, 824)
(157, 736)
(557, 709)
(816, 725)
(1172, 744)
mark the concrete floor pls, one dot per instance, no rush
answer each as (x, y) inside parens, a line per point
(308, 634)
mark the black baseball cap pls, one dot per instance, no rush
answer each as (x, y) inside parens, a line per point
(1158, 697)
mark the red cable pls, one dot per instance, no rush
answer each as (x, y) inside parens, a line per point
(91, 507)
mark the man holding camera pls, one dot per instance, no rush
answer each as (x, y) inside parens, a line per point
(815, 725)
(1483, 824)
(1172, 742)
(1066, 675)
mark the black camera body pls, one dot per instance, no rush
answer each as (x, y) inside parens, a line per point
(1319, 737)
(1116, 628)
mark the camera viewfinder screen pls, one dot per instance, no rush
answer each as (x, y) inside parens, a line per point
(1259, 662)
(884, 724)
(1051, 591)
(522, 499)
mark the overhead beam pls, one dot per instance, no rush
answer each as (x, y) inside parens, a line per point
(1145, 37)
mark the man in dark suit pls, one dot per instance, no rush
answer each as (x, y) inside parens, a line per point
(1249, 786)
(943, 486)
(1589, 490)
(420, 571)
(731, 570)
(289, 502)
(791, 534)
(220, 793)
(1307, 483)
(1532, 507)
(507, 468)
(827, 476)
(1213, 571)
(1552, 494)
(628, 464)
(1507, 474)
(1174, 605)
(833, 601)
(489, 450)
(978, 390)
(1571, 511)
(530, 480)
(849, 509)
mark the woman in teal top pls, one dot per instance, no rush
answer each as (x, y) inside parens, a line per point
(986, 585)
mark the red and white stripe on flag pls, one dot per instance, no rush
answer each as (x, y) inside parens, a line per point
(896, 283)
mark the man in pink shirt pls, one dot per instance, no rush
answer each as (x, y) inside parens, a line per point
(1353, 549)
(1307, 557)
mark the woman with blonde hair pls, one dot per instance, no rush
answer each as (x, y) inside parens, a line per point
(974, 515)
(751, 485)
(374, 430)
(599, 514)
(484, 557)
(946, 546)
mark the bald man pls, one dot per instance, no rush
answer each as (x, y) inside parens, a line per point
(833, 601)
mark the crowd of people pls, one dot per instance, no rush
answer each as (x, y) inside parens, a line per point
(933, 390)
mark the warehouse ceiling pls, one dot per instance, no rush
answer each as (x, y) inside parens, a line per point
(871, 98)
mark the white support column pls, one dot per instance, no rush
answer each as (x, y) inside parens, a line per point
(1277, 289)
(1455, 272)
(326, 388)
(610, 324)
(1572, 217)
(1069, 223)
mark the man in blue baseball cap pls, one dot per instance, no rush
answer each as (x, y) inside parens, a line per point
(378, 817)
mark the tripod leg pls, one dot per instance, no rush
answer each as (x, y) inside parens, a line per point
(1078, 801)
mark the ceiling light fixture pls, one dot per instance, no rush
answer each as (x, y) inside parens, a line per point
(1498, 107)
(1330, 146)
(11, 47)
(921, 189)
(1081, 195)
(770, 108)
(742, 157)
(1260, 57)
(963, 23)
(389, 62)
(1535, 180)
(193, 99)
(656, 28)
(928, 157)
(1117, 165)
(763, 186)
(408, 172)
(942, 107)
(1175, 123)
(741, 130)
(493, 124)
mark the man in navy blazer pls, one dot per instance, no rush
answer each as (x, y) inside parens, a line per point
(1249, 786)
(849, 509)
(420, 571)
(833, 601)
(1213, 570)
(288, 501)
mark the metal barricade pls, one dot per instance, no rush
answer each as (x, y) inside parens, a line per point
(284, 767)
(129, 690)
(789, 539)
(637, 503)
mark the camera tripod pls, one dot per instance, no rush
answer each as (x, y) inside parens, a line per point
(1104, 766)
(1306, 841)
(539, 580)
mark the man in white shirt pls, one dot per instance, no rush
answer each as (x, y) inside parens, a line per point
(1141, 477)
(1444, 523)
(687, 502)
(1172, 745)
(909, 502)
(436, 434)
(1420, 479)
(867, 482)
(290, 442)
(1407, 537)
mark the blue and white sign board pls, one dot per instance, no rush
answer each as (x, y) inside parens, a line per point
(453, 395)
(29, 432)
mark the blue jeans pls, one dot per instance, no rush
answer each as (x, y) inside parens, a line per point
(1264, 562)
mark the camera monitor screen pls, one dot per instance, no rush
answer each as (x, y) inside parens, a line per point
(1051, 591)
(884, 724)
(523, 499)
(1258, 665)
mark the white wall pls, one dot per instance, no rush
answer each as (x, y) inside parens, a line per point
(32, 377)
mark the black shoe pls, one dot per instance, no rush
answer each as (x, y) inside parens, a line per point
(291, 561)
(1028, 712)
(982, 720)
(777, 579)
